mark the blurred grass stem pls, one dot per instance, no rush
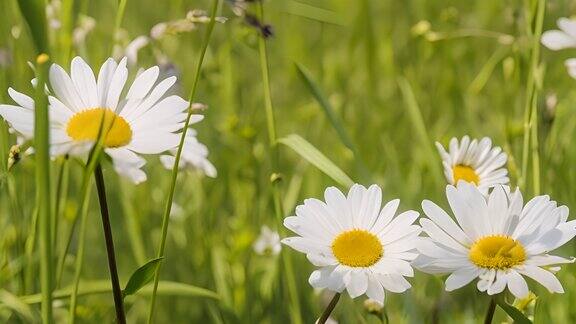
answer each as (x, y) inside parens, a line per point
(531, 102)
(42, 153)
(290, 282)
(168, 206)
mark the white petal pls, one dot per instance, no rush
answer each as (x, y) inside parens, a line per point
(517, 285)
(385, 216)
(545, 278)
(441, 218)
(64, 88)
(375, 290)
(143, 83)
(117, 85)
(104, 78)
(461, 278)
(21, 99)
(85, 82)
(358, 283)
(499, 284)
(568, 26)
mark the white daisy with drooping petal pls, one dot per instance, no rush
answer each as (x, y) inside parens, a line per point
(194, 154)
(144, 121)
(496, 239)
(474, 161)
(561, 39)
(358, 245)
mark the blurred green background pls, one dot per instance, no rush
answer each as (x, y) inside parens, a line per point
(398, 74)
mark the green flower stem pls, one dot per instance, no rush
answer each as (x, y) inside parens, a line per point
(290, 280)
(81, 243)
(116, 290)
(168, 206)
(490, 311)
(118, 22)
(326, 314)
(93, 166)
(42, 154)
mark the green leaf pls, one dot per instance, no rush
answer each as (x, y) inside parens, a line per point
(96, 287)
(326, 106)
(314, 156)
(513, 312)
(312, 12)
(141, 277)
(17, 306)
(34, 13)
(419, 127)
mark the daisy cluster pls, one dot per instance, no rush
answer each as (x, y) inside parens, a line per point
(143, 120)
(363, 245)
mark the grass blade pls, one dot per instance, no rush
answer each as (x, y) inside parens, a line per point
(326, 106)
(319, 160)
(513, 312)
(141, 277)
(419, 126)
(168, 206)
(35, 15)
(165, 288)
(42, 149)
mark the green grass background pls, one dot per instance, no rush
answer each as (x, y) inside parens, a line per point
(468, 74)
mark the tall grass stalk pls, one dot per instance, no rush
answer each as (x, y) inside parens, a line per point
(60, 197)
(42, 153)
(534, 16)
(83, 215)
(66, 30)
(168, 206)
(290, 281)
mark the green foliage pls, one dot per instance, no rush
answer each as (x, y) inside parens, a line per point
(319, 160)
(141, 277)
(383, 81)
(513, 312)
(34, 13)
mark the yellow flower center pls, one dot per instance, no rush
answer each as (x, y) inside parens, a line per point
(85, 126)
(466, 173)
(357, 248)
(497, 252)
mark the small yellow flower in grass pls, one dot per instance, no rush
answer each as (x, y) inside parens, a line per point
(143, 121)
(496, 239)
(475, 162)
(357, 244)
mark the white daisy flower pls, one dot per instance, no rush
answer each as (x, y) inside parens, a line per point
(561, 39)
(357, 244)
(268, 243)
(194, 154)
(495, 239)
(144, 121)
(474, 161)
